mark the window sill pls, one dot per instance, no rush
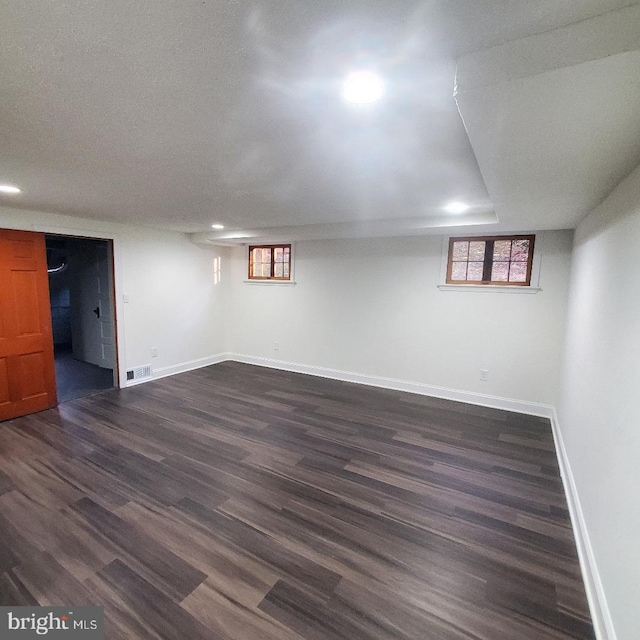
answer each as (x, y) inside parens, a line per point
(488, 288)
(271, 283)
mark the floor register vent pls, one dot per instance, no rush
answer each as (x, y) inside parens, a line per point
(139, 373)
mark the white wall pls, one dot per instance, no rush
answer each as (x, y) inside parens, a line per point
(174, 304)
(599, 409)
(373, 307)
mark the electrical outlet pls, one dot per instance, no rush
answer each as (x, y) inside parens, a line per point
(276, 346)
(484, 374)
(154, 352)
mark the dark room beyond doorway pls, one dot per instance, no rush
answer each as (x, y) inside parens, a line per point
(82, 315)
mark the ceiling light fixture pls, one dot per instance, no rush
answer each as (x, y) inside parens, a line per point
(362, 87)
(7, 188)
(217, 226)
(456, 207)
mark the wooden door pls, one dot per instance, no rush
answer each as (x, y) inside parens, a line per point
(27, 369)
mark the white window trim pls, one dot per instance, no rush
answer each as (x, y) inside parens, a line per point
(534, 287)
(488, 288)
(271, 283)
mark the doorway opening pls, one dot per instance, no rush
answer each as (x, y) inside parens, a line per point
(81, 289)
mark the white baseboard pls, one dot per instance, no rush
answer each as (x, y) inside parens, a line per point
(190, 365)
(600, 614)
(481, 399)
(602, 621)
(470, 397)
(182, 367)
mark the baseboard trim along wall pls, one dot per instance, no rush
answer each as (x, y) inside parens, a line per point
(470, 397)
(181, 367)
(483, 400)
(600, 614)
(602, 621)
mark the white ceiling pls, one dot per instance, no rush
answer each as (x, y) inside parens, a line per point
(185, 113)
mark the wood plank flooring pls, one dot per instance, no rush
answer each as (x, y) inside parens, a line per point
(239, 502)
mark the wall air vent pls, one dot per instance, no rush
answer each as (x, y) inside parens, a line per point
(139, 373)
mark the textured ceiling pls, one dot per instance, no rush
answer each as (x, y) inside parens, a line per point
(181, 114)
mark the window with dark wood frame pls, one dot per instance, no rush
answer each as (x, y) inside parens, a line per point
(270, 262)
(497, 260)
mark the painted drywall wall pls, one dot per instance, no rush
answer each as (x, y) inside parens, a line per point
(599, 412)
(373, 307)
(174, 302)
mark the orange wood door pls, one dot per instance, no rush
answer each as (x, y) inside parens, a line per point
(27, 370)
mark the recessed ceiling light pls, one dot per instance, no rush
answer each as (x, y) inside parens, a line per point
(456, 207)
(362, 87)
(217, 226)
(7, 188)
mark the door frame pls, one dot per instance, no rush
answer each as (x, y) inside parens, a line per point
(120, 373)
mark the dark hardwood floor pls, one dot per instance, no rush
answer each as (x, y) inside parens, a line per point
(246, 503)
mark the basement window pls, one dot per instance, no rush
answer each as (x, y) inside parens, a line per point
(270, 262)
(491, 260)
